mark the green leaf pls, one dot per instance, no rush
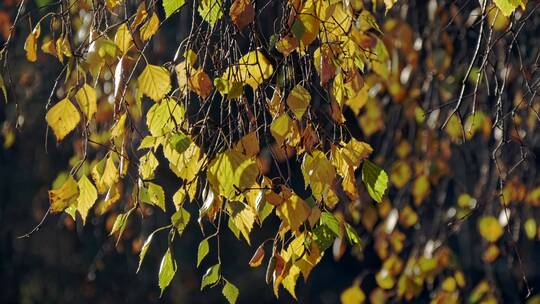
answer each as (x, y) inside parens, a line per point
(231, 171)
(153, 195)
(211, 11)
(203, 250)
(144, 249)
(180, 219)
(230, 292)
(352, 235)
(147, 165)
(375, 180)
(167, 269)
(164, 117)
(211, 276)
(329, 220)
(180, 142)
(323, 236)
(120, 224)
(171, 6)
(298, 29)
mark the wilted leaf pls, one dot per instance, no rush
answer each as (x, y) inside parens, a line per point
(30, 45)
(242, 13)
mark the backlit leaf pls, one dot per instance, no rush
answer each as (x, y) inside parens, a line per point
(242, 13)
(211, 276)
(180, 219)
(211, 11)
(202, 251)
(171, 6)
(167, 269)
(87, 196)
(123, 38)
(30, 45)
(63, 117)
(490, 228)
(154, 82)
(231, 172)
(150, 27)
(86, 98)
(230, 292)
(375, 180)
(64, 196)
(298, 101)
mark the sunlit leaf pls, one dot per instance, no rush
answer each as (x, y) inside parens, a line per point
(231, 172)
(211, 276)
(298, 101)
(211, 11)
(375, 180)
(154, 82)
(123, 38)
(150, 27)
(63, 117)
(86, 98)
(171, 6)
(64, 196)
(167, 269)
(242, 13)
(30, 45)
(202, 251)
(230, 292)
(180, 219)
(490, 228)
(352, 295)
(87, 197)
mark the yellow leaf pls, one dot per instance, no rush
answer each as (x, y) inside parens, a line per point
(352, 295)
(147, 165)
(123, 38)
(87, 197)
(252, 69)
(249, 144)
(63, 117)
(231, 173)
(298, 101)
(282, 129)
(293, 212)
(86, 98)
(420, 189)
(318, 173)
(64, 196)
(164, 117)
(30, 45)
(140, 15)
(183, 73)
(243, 217)
(490, 228)
(154, 82)
(119, 127)
(150, 27)
(287, 45)
(400, 173)
(187, 164)
(179, 197)
(507, 7)
(105, 174)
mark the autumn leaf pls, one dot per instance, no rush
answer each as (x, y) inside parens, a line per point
(64, 196)
(63, 117)
(154, 82)
(242, 13)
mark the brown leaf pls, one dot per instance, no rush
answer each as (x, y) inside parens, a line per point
(258, 256)
(242, 13)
